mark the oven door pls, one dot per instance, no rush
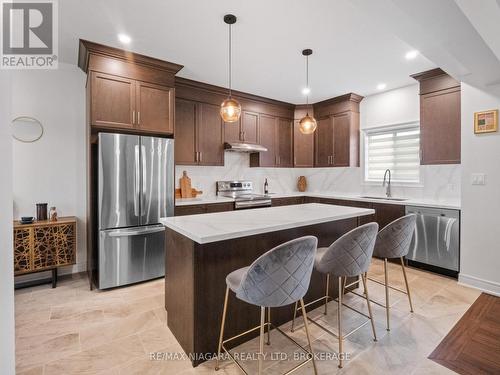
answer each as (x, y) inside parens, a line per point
(257, 203)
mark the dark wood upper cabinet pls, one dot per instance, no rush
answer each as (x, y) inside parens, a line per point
(232, 131)
(155, 107)
(440, 118)
(250, 127)
(246, 129)
(285, 143)
(303, 144)
(324, 142)
(268, 129)
(112, 101)
(276, 134)
(199, 134)
(337, 135)
(186, 114)
(210, 135)
(341, 139)
(128, 92)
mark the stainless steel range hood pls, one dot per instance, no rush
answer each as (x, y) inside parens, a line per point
(244, 147)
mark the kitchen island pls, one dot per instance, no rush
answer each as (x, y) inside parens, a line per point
(202, 249)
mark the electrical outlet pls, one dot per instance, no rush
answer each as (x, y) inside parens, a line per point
(478, 179)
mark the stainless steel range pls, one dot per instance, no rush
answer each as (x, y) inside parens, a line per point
(242, 192)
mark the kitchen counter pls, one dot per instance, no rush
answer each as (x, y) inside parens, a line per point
(201, 250)
(206, 228)
(202, 200)
(449, 204)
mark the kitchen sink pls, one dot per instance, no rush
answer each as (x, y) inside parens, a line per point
(386, 198)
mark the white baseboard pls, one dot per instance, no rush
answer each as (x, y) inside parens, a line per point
(486, 286)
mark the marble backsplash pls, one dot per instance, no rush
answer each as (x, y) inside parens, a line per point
(438, 182)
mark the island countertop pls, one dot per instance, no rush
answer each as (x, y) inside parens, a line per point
(206, 228)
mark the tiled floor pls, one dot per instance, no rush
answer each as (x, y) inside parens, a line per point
(71, 330)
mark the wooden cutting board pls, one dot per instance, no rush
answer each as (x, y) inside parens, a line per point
(194, 193)
(185, 185)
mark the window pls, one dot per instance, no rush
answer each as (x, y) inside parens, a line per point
(395, 148)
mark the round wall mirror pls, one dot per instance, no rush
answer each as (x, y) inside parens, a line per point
(26, 129)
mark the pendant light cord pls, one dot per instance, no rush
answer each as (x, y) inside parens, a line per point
(230, 58)
(307, 83)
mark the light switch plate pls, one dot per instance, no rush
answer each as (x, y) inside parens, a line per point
(478, 179)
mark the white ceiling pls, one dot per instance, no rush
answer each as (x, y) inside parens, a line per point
(460, 36)
(351, 53)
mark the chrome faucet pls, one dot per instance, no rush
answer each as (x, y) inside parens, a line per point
(388, 189)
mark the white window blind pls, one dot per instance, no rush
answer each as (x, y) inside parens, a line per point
(397, 149)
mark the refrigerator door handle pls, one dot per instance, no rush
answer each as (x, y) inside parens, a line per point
(136, 180)
(143, 182)
(137, 232)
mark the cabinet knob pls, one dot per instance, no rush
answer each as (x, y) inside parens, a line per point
(133, 117)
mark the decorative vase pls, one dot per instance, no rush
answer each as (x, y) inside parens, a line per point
(53, 214)
(302, 184)
(41, 211)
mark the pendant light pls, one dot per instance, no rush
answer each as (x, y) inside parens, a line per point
(230, 109)
(307, 124)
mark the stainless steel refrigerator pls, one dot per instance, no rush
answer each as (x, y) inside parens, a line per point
(135, 189)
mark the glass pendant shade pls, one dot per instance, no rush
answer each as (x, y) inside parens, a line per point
(307, 125)
(230, 110)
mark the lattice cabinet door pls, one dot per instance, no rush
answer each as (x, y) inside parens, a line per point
(23, 255)
(54, 246)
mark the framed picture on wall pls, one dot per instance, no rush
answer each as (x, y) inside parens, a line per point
(486, 121)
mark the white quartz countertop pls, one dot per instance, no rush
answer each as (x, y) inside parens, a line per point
(448, 204)
(202, 200)
(206, 228)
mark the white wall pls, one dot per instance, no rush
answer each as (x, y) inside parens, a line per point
(480, 245)
(399, 106)
(391, 107)
(7, 340)
(52, 170)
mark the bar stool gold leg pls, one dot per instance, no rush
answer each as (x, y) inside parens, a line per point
(365, 286)
(326, 294)
(339, 316)
(222, 329)
(386, 278)
(261, 337)
(406, 283)
(268, 326)
(294, 316)
(306, 326)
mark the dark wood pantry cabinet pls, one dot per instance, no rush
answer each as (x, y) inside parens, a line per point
(440, 118)
(128, 92)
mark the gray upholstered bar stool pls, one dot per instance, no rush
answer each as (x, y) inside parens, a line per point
(349, 256)
(393, 242)
(277, 278)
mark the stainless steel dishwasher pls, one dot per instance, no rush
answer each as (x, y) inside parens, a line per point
(436, 242)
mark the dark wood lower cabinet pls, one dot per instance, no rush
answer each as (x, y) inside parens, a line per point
(384, 213)
(387, 213)
(194, 209)
(287, 201)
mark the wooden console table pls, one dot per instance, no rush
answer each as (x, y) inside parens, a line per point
(44, 246)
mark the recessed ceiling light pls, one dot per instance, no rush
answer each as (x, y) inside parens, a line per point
(306, 91)
(410, 55)
(124, 38)
(381, 86)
